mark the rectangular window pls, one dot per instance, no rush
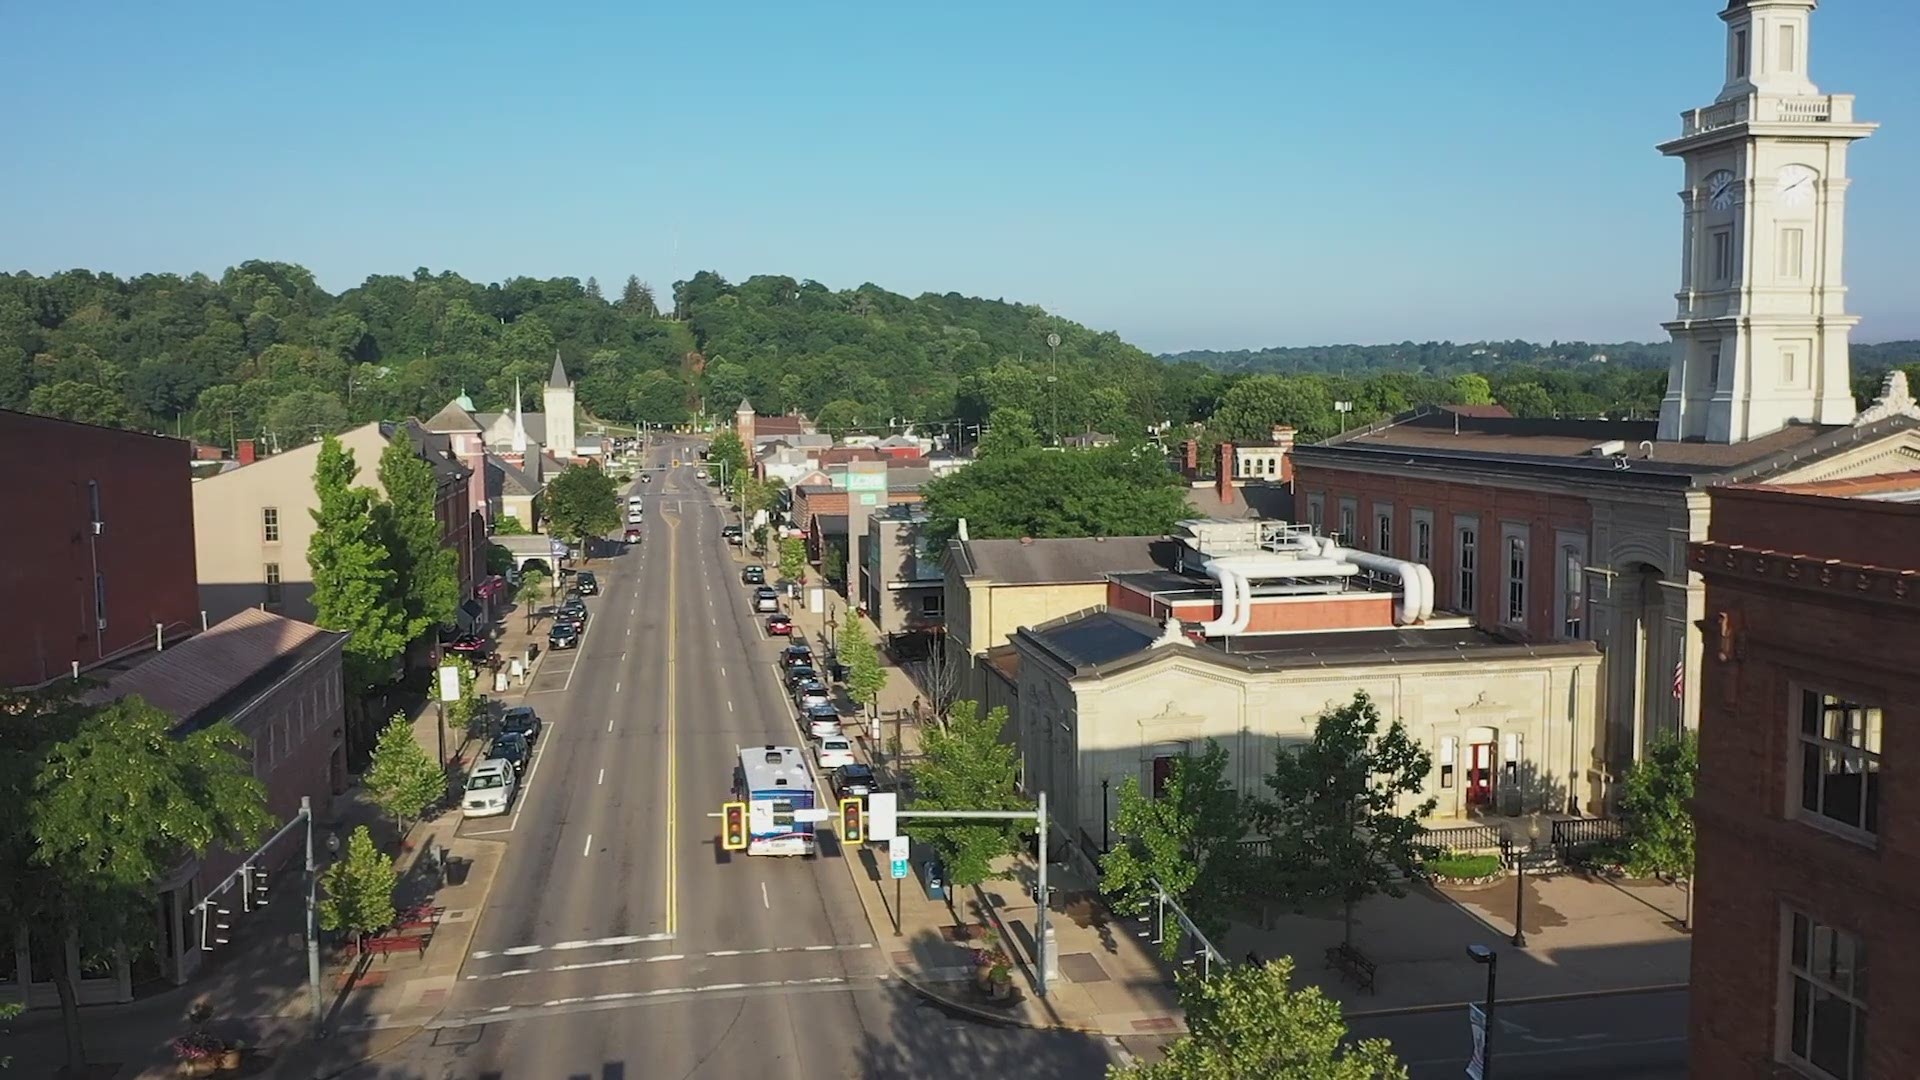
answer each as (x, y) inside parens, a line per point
(1789, 367)
(1739, 57)
(1573, 592)
(1422, 541)
(93, 504)
(1383, 532)
(273, 582)
(1722, 255)
(1516, 580)
(1448, 747)
(1348, 533)
(1510, 751)
(933, 605)
(1317, 513)
(1793, 243)
(100, 600)
(1713, 368)
(1469, 564)
(1789, 47)
(270, 524)
(1826, 997)
(1162, 774)
(1839, 762)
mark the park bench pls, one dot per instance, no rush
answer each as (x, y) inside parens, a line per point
(387, 945)
(1353, 963)
(418, 918)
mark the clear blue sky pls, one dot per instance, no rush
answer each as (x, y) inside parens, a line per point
(1261, 173)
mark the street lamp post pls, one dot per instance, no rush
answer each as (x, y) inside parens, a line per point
(1519, 860)
(1483, 955)
(832, 640)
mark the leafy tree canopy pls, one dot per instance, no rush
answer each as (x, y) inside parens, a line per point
(355, 585)
(401, 778)
(427, 572)
(1114, 491)
(965, 766)
(359, 888)
(1188, 840)
(582, 502)
(1656, 807)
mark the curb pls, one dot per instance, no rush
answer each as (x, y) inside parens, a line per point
(1537, 999)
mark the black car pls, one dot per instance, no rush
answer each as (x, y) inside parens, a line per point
(511, 748)
(753, 575)
(574, 619)
(853, 781)
(564, 635)
(797, 653)
(799, 673)
(586, 584)
(521, 720)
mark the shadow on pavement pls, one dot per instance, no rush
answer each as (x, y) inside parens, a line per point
(922, 1040)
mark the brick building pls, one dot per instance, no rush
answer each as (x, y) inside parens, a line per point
(103, 562)
(1808, 864)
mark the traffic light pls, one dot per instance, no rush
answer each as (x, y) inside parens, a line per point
(850, 830)
(734, 835)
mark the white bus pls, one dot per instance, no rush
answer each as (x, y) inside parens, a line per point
(775, 783)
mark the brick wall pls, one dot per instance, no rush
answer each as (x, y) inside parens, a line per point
(1769, 637)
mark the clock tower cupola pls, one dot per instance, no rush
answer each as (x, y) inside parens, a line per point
(1760, 337)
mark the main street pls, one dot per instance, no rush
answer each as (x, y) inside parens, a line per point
(618, 939)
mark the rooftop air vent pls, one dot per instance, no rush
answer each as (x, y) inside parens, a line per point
(1609, 448)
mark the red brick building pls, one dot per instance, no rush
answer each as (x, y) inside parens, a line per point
(1808, 862)
(103, 561)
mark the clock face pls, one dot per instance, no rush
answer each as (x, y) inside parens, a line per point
(1796, 185)
(1720, 189)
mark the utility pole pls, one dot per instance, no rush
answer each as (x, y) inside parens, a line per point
(1053, 382)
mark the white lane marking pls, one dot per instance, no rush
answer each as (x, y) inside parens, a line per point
(629, 634)
(716, 643)
(609, 725)
(727, 952)
(603, 779)
(764, 901)
(723, 671)
(665, 958)
(730, 709)
(616, 687)
(588, 850)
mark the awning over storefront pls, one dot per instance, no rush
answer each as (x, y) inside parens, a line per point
(472, 614)
(490, 588)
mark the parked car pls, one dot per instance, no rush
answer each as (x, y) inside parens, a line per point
(810, 693)
(472, 646)
(731, 534)
(700, 474)
(564, 635)
(799, 673)
(586, 583)
(833, 752)
(799, 652)
(635, 500)
(853, 781)
(822, 720)
(765, 599)
(490, 788)
(512, 749)
(521, 720)
(634, 516)
(646, 478)
(633, 535)
(779, 625)
(753, 575)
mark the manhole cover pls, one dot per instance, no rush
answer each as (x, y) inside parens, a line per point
(1082, 968)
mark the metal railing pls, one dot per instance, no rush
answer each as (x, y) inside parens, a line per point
(1463, 838)
(1570, 834)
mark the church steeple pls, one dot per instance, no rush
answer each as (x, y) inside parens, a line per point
(557, 379)
(519, 422)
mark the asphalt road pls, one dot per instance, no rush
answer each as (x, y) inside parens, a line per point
(618, 940)
(1643, 1036)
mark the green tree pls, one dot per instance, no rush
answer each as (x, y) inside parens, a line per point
(302, 416)
(1656, 808)
(528, 594)
(402, 779)
(636, 298)
(793, 561)
(1188, 840)
(727, 457)
(1249, 1023)
(359, 888)
(581, 503)
(1471, 389)
(1336, 821)
(114, 806)
(1117, 491)
(1009, 430)
(88, 403)
(469, 706)
(866, 677)
(1528, 400)
(355, 588)
(658, 397)
(965, 766)
(428, 572)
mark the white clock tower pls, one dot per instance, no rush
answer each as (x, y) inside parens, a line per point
(1761, 334)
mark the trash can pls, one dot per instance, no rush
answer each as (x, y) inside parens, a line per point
(933, 877)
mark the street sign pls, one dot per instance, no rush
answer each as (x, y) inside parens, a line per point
(881, 822)
(813, 814)
(556, 548)
(449, 683)
(899, 849)
(1477, 1023)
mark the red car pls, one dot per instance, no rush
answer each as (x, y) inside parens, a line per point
(779, 625)
(471, 646)
(633, 536)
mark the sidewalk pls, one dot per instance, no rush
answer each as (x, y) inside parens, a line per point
(1110, 981)
(257, 985)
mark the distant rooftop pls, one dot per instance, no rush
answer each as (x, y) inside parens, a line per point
(1059, 561)
(216, 674)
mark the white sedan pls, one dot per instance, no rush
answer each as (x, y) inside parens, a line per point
(833, 752)
(634, 517)
(490, 789)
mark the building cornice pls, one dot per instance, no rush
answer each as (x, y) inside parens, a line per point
(1807, 573)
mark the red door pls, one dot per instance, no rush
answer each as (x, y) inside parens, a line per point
(1479, 774)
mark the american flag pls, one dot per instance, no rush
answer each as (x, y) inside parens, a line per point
(1679, 679)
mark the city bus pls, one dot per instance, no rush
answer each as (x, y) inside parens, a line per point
(777, 787)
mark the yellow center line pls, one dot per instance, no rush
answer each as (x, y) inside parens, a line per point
(673, 769)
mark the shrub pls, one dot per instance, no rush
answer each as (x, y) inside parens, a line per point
(1455, 867)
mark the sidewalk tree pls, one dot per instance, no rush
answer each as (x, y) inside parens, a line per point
(464, 710)
(113, 807)
(727, 457)
(582, 503)
(1656, 808)
(427, 573)
(1113, 491)
(402, 777)
(1336, 824)
(531, 590)
(1188, 840)
(355, 588)
(965, 766)
(865, 676)
(359, 888)
(1249, 1021)
(793, 559)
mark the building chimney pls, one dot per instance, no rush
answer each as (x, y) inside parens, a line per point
(1192, 466)
(1223, 475)
(243, 452)
(1283, 440)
